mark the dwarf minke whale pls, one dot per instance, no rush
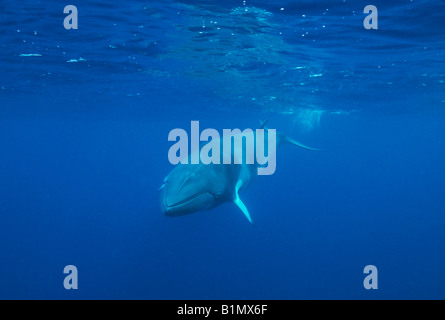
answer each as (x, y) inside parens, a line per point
(190, 188)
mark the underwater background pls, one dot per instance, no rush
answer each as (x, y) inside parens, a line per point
(84, 120)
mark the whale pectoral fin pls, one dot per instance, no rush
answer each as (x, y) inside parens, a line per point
(243, 208)
(298, 144)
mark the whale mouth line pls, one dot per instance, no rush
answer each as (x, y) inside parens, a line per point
(186, 201)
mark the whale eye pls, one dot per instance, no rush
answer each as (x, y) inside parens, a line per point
(217, 193)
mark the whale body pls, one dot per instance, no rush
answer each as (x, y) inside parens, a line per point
(194, 187)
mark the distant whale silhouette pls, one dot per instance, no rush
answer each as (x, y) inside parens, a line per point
(194, 187)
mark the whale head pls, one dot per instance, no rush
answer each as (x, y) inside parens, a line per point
(190, 188)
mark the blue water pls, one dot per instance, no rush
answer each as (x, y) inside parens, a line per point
(84, 120)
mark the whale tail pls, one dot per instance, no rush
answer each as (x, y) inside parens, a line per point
(287, 139)
(282, 138)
